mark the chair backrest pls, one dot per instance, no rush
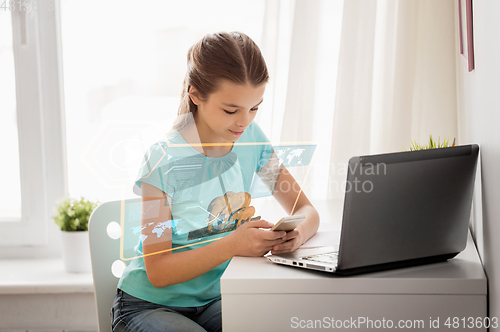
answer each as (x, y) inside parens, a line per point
(105, 251)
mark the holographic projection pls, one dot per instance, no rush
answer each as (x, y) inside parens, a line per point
(205, 198)
(291, 157)
(221, 216)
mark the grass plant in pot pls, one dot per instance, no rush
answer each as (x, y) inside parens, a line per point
(73, 218)
(431, 145)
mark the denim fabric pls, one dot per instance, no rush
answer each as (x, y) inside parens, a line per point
(132, 314)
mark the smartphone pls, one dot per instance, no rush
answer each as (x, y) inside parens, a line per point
(288, 223)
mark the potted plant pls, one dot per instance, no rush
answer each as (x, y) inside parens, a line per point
(431, 145)
(73, 218)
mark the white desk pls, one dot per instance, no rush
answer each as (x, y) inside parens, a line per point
(261, 296)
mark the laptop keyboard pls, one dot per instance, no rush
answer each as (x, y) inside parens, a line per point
(330, 257)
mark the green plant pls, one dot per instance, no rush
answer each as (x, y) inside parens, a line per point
(431, 145)
(73, 215)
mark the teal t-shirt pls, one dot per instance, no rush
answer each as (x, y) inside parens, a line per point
(210, 197)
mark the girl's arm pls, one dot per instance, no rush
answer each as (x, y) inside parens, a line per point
(165, 267)
(288, 200)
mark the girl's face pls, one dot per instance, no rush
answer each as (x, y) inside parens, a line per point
(227, 112)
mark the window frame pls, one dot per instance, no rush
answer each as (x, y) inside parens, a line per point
(41, 130)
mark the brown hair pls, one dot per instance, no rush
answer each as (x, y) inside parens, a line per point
(232, 56)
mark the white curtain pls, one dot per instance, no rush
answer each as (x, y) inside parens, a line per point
(301, 42)
(385, 76)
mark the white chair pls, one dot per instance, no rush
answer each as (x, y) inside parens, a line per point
(105, 251)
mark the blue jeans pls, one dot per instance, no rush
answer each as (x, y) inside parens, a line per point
(132, 314)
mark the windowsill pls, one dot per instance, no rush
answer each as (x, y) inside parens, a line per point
(41, 276)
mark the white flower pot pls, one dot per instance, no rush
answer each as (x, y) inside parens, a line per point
(76, 251)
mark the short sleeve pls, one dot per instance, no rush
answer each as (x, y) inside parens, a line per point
(270, 172)
(267, 166)
(150, 171)
(263, 144)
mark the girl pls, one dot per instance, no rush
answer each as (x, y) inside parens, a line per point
(196, 188)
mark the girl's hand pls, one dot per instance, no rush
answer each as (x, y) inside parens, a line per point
(253, 241)
(292, 241)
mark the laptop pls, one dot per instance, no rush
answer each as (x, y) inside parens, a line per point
(400, 209)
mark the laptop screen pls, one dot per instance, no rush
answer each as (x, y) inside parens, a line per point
(406, 206)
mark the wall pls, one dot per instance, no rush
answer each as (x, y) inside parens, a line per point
(479, 120)
(63, 312)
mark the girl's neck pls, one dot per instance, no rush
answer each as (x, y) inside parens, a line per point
(194, 135)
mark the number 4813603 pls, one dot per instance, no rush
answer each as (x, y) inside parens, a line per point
(27, 5)
(471, 322)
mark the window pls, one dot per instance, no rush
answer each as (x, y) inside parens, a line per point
(123, 76)
(34, 69)
(10, 197)
(124, 63)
